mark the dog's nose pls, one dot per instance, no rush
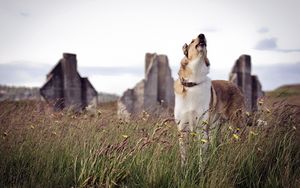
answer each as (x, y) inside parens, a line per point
(201, 36)
(202, 40)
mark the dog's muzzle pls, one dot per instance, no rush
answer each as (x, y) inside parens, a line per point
(202, 40)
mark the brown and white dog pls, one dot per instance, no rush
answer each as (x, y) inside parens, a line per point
(201, 104)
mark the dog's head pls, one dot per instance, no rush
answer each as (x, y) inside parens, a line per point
(196, 48)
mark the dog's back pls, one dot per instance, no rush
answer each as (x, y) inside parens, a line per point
(227, 101)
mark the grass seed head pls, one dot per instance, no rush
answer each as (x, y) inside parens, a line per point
(248, 114)
(253, 133)
(204, 122)
(235, 136)
(125, 136)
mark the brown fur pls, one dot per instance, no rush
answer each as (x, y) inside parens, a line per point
(227, 101)
(190, 51)
(184, 71)
(179, 88)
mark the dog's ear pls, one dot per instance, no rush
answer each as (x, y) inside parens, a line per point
(207, 63)
(184, 62)
(185, 50)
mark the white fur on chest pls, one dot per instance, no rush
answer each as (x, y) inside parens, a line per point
(199, 71)
(194, 104)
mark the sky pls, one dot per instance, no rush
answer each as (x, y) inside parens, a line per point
(111, 37)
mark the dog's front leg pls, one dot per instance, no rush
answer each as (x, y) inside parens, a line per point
(183, 146)
(185, 127)
(184, 130)
(204, 137)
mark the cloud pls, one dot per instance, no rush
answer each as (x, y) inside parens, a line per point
(24, 14)
(288, 50)
(267, 44)
(263, 30)
(270, 44)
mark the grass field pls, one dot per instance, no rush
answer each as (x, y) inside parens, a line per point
(41, 148)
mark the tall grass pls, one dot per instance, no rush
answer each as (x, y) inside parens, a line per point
(41, 148)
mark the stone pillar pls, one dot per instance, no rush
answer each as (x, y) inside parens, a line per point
(166, 95)
(139, 97)
(71, 82)
(132, 101)
(126, 104)
(151, 82)
(248, 84)
(148, 59)
(241, 76)
(153, 92)
(88, 94)
(52, 91)
(65, 88)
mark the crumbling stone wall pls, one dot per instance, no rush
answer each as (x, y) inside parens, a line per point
(65, 87)
(153, 93)
(249, 84)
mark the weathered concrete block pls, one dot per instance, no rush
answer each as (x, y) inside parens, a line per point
(165, 87)
(151, 83)
(71, 81)
(89, 95)
(65, 87)
(131, 103)
(153, 93)
(250, 86)
(126, 104)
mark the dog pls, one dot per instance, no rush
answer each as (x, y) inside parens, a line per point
(200, 103)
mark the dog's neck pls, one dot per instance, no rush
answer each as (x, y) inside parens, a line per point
(199, 70)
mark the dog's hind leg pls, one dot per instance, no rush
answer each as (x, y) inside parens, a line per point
(215, 124)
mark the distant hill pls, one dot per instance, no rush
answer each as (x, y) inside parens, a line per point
(288, 93)
(107, 97)
(13, 93)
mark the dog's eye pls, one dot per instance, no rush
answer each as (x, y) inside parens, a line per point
(193, 41)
